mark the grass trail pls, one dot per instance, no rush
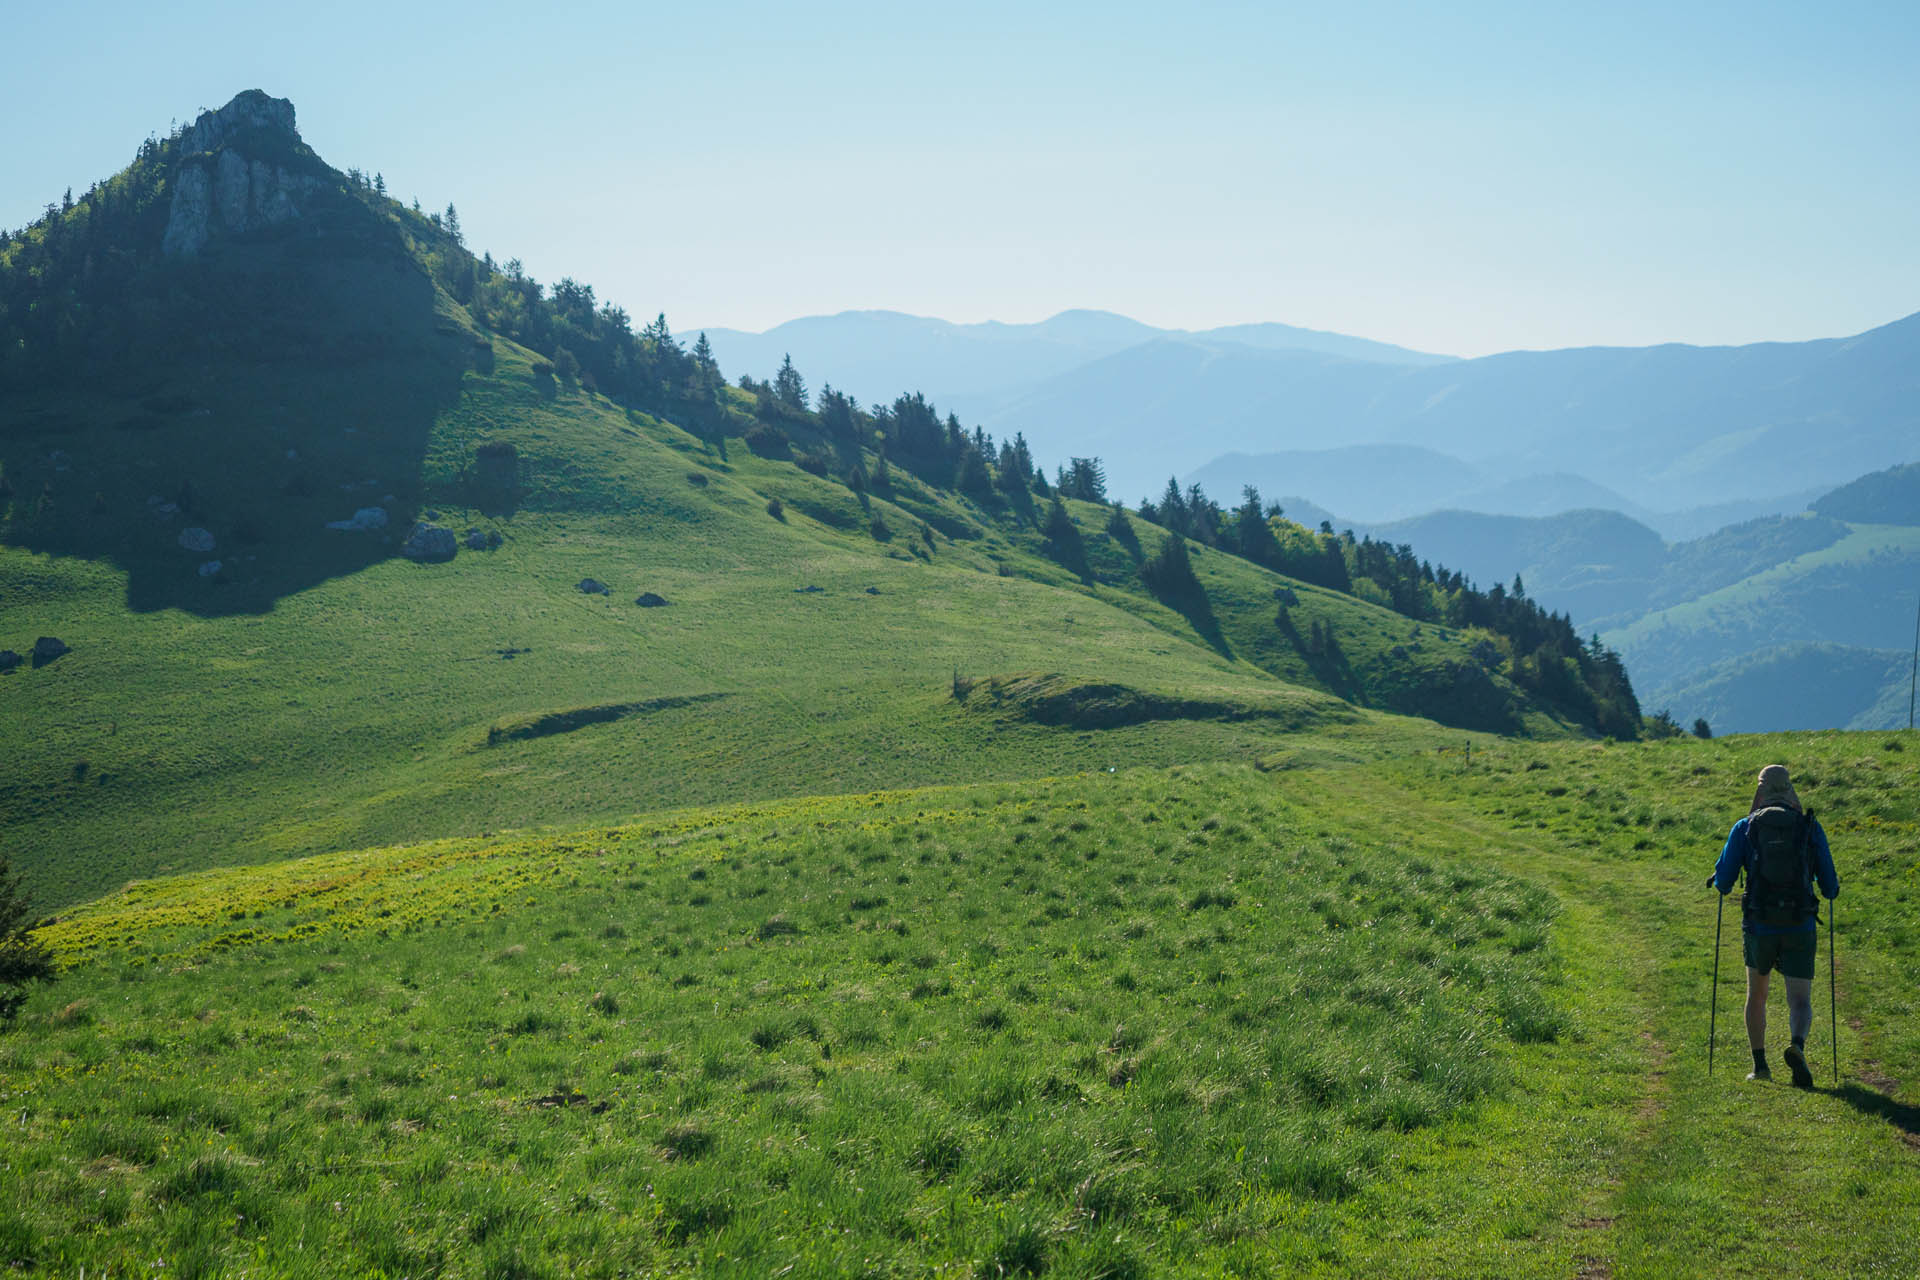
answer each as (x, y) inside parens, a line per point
(1701, 1174)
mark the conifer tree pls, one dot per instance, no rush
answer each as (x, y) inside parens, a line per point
(788, 388)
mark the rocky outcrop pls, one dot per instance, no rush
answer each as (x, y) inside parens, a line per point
(593, 587)
(219, 187)
(364, 520)
(9, 660)
(429, 543)
(47, 648)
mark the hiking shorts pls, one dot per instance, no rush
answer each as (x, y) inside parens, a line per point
(1791, 953)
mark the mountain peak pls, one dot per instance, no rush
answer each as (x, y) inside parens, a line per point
(250, 110)
(241, 168)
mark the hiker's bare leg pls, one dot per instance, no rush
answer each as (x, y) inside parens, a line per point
(1799, 1006)
(1757, 1010)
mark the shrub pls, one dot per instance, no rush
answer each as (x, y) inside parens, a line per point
(22, 959)
(768, 441)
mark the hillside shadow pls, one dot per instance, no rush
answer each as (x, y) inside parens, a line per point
(1197, 609)
(1328, 664)
(263, 396)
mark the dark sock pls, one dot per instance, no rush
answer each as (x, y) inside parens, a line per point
(1760, 1060)
(1800, 1043)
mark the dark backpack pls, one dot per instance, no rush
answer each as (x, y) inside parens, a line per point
(1779, 867)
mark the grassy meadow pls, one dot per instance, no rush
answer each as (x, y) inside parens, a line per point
(1391, 1009)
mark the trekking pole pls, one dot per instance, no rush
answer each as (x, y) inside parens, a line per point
(1719, 912)
(1833, 997)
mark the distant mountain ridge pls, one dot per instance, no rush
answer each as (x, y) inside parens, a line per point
(1665, 429)
(873, 354)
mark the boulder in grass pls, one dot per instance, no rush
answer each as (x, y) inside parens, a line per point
(873, 591)
(366, 518)
(594, 587)
(429, 544)
(649, 600)
(47, 648)
(9, 660)
(196, 539)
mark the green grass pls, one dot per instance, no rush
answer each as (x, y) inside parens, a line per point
(1072, 1026)
(1400, 1013)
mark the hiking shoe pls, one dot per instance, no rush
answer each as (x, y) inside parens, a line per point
(1761, 1073)
(1797, 1063)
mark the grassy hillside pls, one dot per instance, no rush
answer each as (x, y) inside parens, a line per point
(321, 693)
(246, 683)
(1407, 1013)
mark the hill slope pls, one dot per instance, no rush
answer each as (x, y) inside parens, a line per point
(246, 681)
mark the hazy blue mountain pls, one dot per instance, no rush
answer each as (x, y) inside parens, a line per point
(1366, 482)
(1821, 686)
(1286, 337)
(1689, 523)
(1885, 497)
(1682, 438)
(1171, 404)
(1588, 563)
(1668, 429)
(1857, 592)
(875, 355)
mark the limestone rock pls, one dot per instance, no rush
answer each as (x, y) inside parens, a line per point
(219, 188)
(250, 109)
(196, 539)
(429, 543)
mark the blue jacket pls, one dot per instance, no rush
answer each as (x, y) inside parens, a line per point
(1733, 859)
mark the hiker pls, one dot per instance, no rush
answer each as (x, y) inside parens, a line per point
(1782, 850)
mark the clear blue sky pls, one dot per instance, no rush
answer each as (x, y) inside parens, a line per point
(1467, 177)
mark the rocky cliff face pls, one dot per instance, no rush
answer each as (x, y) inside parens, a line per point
(221, 187)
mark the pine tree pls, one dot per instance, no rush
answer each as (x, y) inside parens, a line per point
(1064, 545)
(788, 388)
